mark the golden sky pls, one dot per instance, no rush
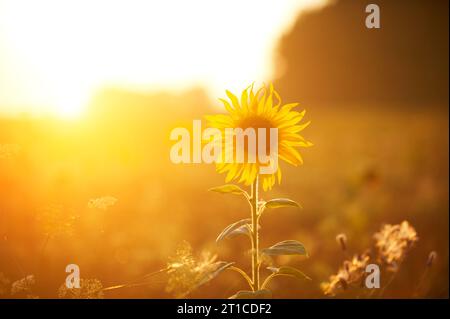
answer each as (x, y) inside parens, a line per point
(54, 54)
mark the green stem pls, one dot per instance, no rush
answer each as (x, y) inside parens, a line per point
(388, 284)
(255, 235)
(416, 292)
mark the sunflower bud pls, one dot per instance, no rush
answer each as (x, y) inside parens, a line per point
(431, 258)
(342, 241)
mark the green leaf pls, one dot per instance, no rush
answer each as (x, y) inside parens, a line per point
(247, 294)
(234, 229)
(287, 247)
(281, 202)
(243, 230)
(228, 189)
(289, 271)
(216, 269)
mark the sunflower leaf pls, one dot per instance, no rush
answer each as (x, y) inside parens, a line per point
(289, 271)
(281, 202)
(286, 247)
(228, 189)
(247, 294)
(243, 230)
(234, 229)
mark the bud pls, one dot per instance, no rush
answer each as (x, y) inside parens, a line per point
(342, 241)
(431, 258)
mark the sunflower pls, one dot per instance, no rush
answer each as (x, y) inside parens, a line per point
(258, 110)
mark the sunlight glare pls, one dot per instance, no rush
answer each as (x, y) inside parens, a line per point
(65, 50)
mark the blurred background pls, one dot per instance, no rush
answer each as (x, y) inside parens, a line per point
(89, 92)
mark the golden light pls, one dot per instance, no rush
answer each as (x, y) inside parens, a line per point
(57, 53)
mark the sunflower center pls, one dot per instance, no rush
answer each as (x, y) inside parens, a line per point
(261, 126)
(255, 122)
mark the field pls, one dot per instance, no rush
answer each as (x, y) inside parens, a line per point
(370, 165)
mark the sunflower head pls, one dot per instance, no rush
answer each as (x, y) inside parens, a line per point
(263, 112)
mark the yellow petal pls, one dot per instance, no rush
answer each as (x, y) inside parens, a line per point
(279, 175)
(219, 120)
(234, 100)
(285, 109)
(227, 105)
(279, 100)
(292, 122)
(297, 128)
(244, 101)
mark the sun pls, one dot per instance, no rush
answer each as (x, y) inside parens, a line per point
(69, 112)
(70, 103)
(57, 52)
